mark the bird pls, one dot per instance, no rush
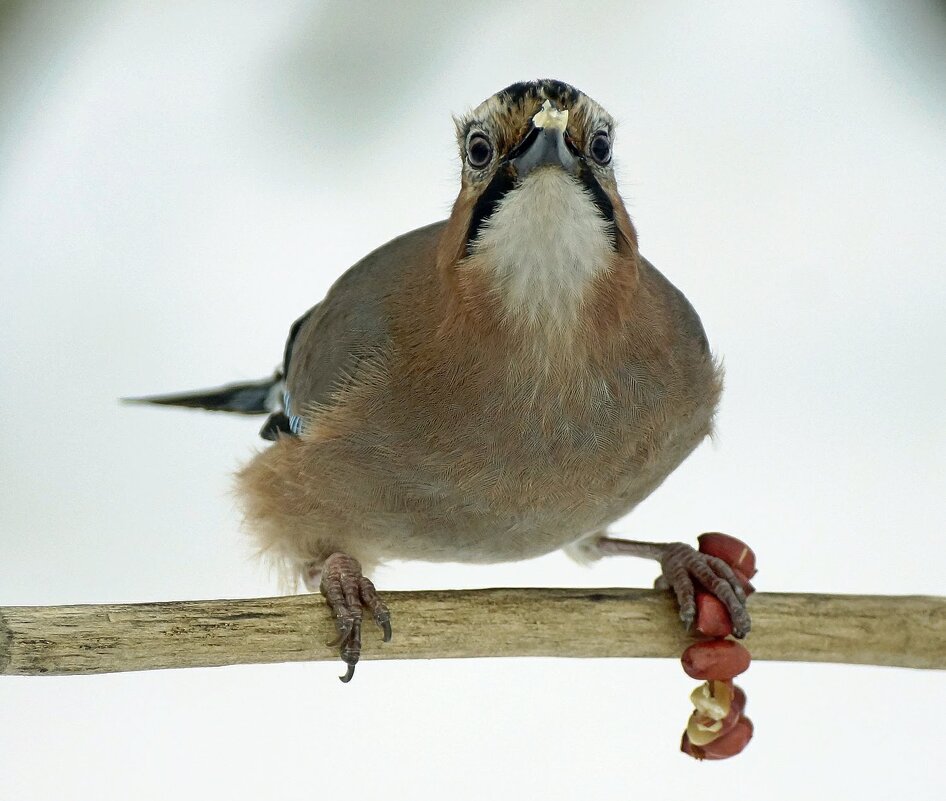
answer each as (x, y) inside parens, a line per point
(492, 387)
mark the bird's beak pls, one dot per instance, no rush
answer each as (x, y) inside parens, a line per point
(545, 143)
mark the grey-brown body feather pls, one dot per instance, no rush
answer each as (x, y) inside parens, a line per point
(349, 325)
(424, 440)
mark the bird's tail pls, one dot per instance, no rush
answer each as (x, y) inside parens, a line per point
(250, 397)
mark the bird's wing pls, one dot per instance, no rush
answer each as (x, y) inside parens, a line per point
(330, 343)
(685, 319)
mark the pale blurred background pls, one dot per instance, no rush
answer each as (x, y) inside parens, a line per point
(180, 180)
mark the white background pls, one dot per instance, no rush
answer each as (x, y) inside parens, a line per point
(179, 181)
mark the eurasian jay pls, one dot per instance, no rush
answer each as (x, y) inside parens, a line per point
(488, 388)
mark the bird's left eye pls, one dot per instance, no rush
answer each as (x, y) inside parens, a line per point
(478, 151)
(600, 147)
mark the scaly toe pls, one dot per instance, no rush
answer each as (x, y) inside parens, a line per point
(347, 592)
(682, 565)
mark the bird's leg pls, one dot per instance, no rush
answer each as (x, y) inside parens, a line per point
(681, 565)
(348, 592)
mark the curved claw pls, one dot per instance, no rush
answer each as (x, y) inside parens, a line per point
(348, 593)
(344, 631)
(740, 625)
(384, 623)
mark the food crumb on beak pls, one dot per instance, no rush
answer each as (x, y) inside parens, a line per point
(550, 117)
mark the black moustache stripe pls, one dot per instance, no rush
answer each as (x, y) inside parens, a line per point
(601, 200)
(525, 144)
(502, 182)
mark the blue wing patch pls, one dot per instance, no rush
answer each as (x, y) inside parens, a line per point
(295, 420)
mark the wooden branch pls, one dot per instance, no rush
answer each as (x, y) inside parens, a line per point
(906, 631)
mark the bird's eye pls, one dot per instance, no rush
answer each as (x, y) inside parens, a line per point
(601, 147)
(478, 151)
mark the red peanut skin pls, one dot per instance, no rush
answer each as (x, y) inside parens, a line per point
(712, 619)
(716, 659)
(736, 709)
(721, 659)
(732, 551)
(724, 746)
(738, 699)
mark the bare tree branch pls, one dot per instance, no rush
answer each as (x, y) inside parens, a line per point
(906, 631)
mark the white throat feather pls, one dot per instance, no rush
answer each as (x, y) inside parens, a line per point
(544, 245)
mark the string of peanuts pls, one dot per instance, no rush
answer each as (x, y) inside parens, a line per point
(718, 727)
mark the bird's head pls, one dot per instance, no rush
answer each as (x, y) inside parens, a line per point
(538, 222)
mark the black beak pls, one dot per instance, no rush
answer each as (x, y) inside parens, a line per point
(543, 147)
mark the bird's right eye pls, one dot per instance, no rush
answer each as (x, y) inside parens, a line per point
(478, 151)
(601, 148)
